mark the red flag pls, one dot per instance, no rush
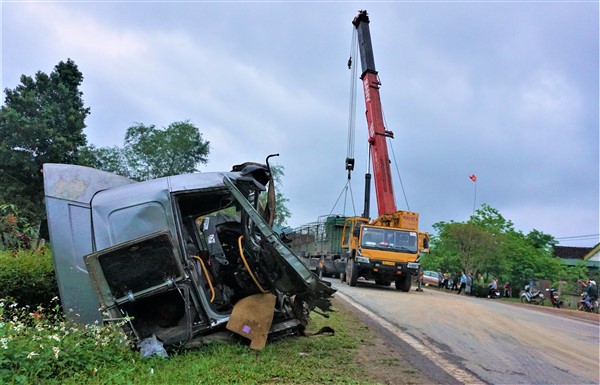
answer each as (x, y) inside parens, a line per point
(473, 178)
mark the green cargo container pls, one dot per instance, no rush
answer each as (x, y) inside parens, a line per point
(319, 244)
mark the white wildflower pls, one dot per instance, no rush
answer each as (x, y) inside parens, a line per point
(30, 355)
(55, 350)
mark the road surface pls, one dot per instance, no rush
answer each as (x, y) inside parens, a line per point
(484, 340)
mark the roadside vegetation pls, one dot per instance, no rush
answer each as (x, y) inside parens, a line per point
(488, 244)
(40, 347)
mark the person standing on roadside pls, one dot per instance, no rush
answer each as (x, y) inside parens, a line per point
(507, 290)
(469, 288)
(454, 282)
(463, 282)
(420, 280)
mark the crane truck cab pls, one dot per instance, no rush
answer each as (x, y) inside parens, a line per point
(386, 250)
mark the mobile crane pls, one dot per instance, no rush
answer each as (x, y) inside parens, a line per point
(387, 248)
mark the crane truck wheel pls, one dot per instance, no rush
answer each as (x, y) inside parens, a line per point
(352, 273)
(403, 283)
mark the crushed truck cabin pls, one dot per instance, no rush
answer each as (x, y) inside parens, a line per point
(178, 258)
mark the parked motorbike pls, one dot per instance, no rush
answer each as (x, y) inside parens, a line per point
(493, 293)
(555, 298)
(583, 306)
(532, 296)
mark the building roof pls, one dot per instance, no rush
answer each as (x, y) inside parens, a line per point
(571, 252)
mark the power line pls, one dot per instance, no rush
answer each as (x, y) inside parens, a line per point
(575, 237)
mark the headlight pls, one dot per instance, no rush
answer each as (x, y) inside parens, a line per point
(362, 259)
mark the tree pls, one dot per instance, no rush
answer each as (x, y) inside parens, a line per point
(464, 246)
(540, 240)
(489, 244)
(150, 153)
(41, 121)
(490, 219)
(282, 212)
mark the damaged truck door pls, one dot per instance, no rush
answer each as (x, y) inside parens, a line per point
(175, 256)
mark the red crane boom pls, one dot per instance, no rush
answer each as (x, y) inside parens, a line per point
(384, 189)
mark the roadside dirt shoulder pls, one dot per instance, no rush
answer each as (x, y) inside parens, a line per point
(386, 362)
(569, 313)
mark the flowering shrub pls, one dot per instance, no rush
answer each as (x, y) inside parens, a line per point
(37, 345)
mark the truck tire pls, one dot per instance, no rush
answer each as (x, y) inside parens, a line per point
(403, 283)
(352, 273)
(342, 277)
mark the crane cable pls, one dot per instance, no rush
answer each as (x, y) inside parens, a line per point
(345, 189)
(352, 103)
(395, 163)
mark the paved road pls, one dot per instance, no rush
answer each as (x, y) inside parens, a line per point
(497, 342)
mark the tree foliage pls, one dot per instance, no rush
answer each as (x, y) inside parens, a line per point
(489, 244)
(41, 121)
(150, 153)
(282, 212)
(16, 232)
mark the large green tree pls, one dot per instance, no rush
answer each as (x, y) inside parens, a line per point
(489, 244)
(41, 121)
(150, 153)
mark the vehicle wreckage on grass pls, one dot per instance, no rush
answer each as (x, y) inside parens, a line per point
(180, 258)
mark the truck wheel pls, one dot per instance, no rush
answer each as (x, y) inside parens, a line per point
(403, 283)
(352, 273)
(343, 277)
(398, 283)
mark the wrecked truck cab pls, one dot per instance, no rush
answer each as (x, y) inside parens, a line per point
(173, 256)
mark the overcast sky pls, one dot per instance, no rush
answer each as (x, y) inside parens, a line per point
(504, 90)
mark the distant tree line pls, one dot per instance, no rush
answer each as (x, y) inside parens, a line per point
(488, 244)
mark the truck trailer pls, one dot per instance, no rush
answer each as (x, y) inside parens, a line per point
(319, 245)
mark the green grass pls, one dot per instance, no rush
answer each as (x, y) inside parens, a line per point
(321, 359)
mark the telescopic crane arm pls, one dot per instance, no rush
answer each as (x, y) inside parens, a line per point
(384, 190)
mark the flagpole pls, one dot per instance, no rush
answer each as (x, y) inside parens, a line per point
(475, 198)
(473, 177)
